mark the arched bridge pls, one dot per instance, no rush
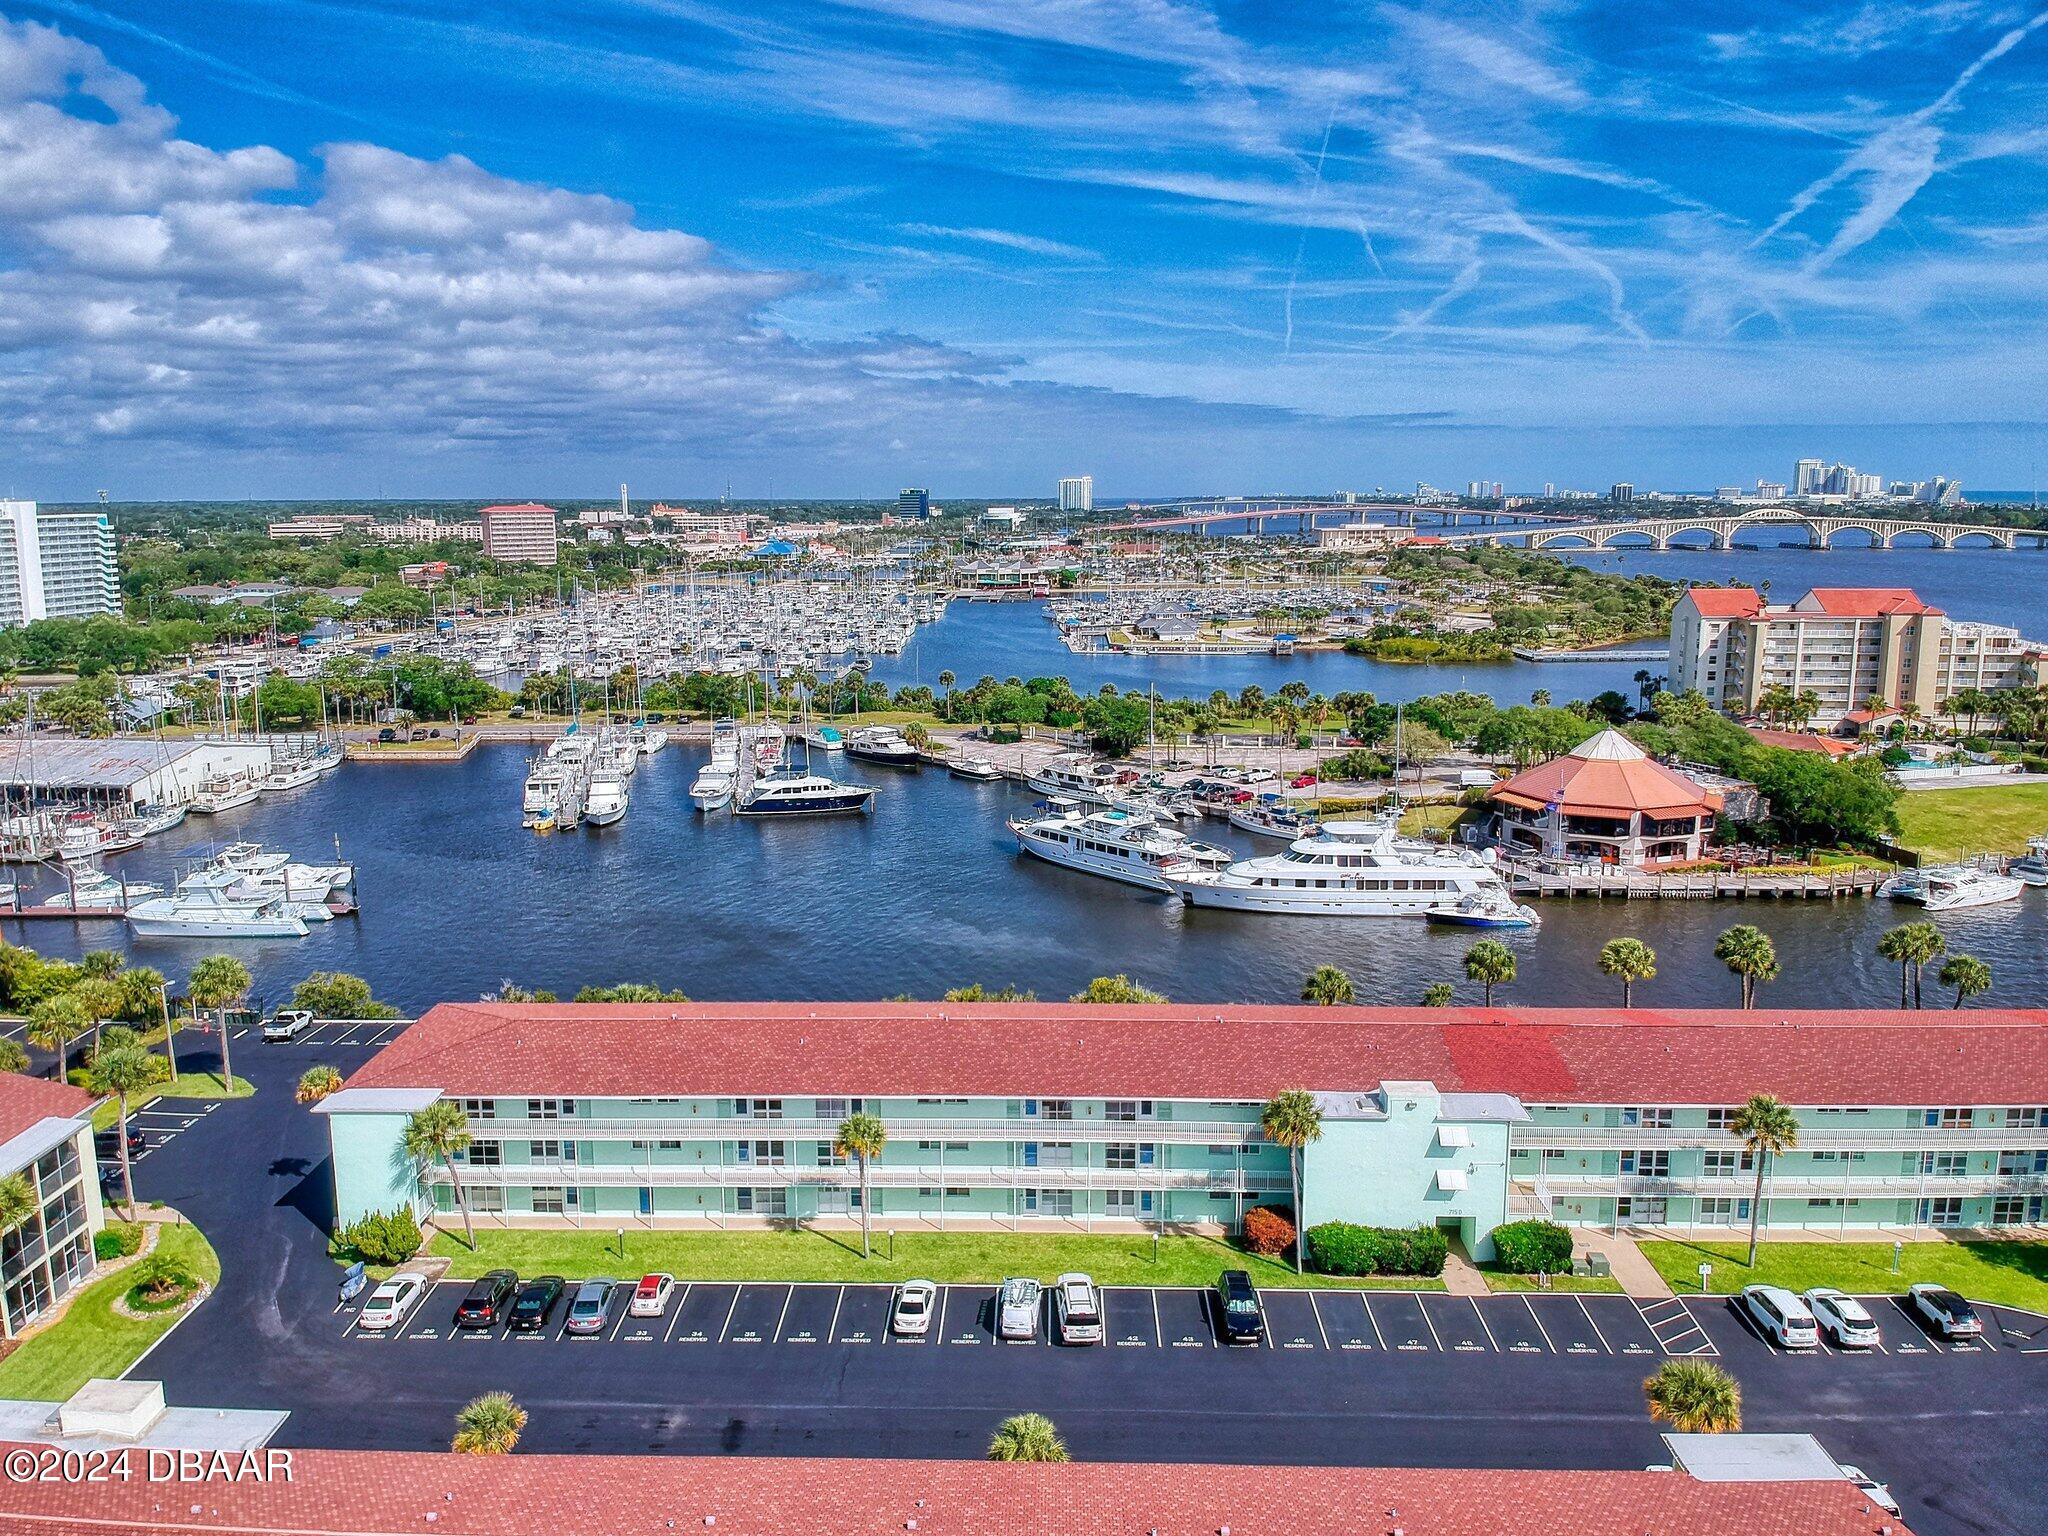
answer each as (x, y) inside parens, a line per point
(1721, 528)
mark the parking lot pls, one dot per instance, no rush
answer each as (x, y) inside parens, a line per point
(338, 1033)
(1563, 1327)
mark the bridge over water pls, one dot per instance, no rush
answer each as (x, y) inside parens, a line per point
(1821, 528)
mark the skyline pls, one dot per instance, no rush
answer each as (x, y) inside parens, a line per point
(832, 250)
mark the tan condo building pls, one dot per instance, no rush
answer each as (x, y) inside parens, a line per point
(525, 534)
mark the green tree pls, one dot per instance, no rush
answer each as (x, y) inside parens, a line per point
(1291, 1119)
(1629, 961)
(54, 1023)
(1911, 946)
(862, 1138)
(101, 998)
(439, 1133)
(1438, 994)
(488, 1425)
(1967, 974)
(220, 982)
(18, 1207)
(124, 1071)
(12, 1057)
(1027, 1437)
(316, 1083)
(1328, 987)
(1491, 964)
(1765, 1127)
(1116, 989)
(1695, 1397)
(338, 995)
(1748, 952)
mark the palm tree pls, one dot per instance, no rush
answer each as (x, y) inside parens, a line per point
(1912, 945)
(17, 1208)
(1765, 1127)
(1292, 1120)
(862, 1137)
(315, 1084)
(1631, 960)
(1491, 964)
(1438, 994)
(1748, 951)
(1327, 987)
(101, 998)
(488, 1425)
(1967, 974)
(917, 736)
(1027, 1437)
(946, 679)
(122, 1071)
(437, 1134)
(220, 982)
(12, 1057)
(53, 1024)
(1695, 1397)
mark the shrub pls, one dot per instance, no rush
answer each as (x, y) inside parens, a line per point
(160, 1277)
(383, 1237)
(1268, 1229)
(2033, 764)
(116, 1240)
(1527, 1247)
(1343, 1248)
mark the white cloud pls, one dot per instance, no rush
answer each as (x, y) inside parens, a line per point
(1037, 245)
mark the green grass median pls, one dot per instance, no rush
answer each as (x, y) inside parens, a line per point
(950, 1258)
(1952, 823)
(186, 1085)
(2014, 1273)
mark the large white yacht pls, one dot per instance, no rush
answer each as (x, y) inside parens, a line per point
(1133, 846)
(202, 907)
(882, 744)
(1952, 887)
(543, 796)
(1078, 778)
(1344, 869)
(712, 788)
(606, 799)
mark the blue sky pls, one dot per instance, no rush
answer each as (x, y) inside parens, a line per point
(393, 247)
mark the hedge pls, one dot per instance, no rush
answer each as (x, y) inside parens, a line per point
(1343, 1248)
(380, 1238)
(1531, 1247)
(1268, 1230)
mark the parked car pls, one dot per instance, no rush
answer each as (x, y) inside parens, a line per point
(650, 1296)
(1945, 1312)
(536, 1303)
(593, 1303)
(1842, 1318)
(911, 1315)
(392, 1302)
(1077, 1309)
(484, 1306)
(1017, 1309)
(387, 734)
(1871, 1488)
(1237, 1301)
(289, 1024)
(107, 1143)
(1781, 1315)
(1302, 781)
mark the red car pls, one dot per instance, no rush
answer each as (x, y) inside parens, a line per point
(1306, 780)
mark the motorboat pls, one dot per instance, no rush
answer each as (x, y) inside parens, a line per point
(543, 793)
(1952, 887)
(292, 773)
(201, 907)
(882, 744)
(979, 769)
(1344, 869)
(151, 820)
(712, 789)
(224, 793)
(80, 842)
(294, 882)
(1270, 817)
(1491, 908)
(327, 757)
(647, 740)
(826, 738)
(95, 889)
(605, 801)
(799, 792)
(249, 859)
(1132, 846)
(2031, 867)
(1076, 777)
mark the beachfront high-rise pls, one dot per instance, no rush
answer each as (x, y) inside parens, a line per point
(55, 565)
(1077, 493)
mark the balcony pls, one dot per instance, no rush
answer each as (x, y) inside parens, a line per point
(1902, 1186)
(1595, 1138)
(881, 1176)
(756, 1128)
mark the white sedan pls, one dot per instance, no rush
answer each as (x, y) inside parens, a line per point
(391, 1303)
(911, 1317)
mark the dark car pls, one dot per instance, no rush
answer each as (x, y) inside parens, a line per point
(107, 1143)
(387, 734)
(536, 1303)
(484, 1306)
(1237, 1302)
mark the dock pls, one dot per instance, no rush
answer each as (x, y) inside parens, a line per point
(1727, 885)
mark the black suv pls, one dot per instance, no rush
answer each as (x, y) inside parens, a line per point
(484, 1306)
(107, 1143)
(1237, 1303)
(536, 1303)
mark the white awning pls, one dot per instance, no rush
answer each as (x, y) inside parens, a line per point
(1451, 1179)
(1453, 1136)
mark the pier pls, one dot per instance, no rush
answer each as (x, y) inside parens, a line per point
(1705, 885)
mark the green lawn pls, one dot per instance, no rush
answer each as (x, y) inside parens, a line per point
(1498, 1280)
(2015, 1273)
(186, 1085)
(93, 1340)
(1950, 823)
(958, 1258)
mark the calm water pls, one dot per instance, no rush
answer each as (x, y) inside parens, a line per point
(925, 894)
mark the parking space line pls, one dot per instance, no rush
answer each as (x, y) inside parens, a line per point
(671, 1330)
(945, 1295)
(1439, 1343)
(1158, 1337)
(1367, 1301)
(776, 1337)
(737, 1292)
(624, 1312)
(1595, 1326)
(1480, 1312)
(832, 1330)
(1318, 1311)
(1539, 1325)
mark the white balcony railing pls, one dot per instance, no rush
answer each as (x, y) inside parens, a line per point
(755, 1128)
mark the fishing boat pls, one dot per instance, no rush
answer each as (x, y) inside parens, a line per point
(224, 793)
(201, 908)
(605, 802)
(1952, 887)
(291, 773)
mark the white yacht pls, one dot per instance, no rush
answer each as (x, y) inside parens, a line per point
(290, 773)
(1952, 887)
(1270, 817)
(799, 792)
(2031, 867)
(882, 744)
(1133, 846)
(249, 859)
(224, 793)
(647, 740)
(327, 757)
(712, 788)
(605, 801)
(1344, 869)
(201, 907)
(96, 890)
(294, 882)
(1491, 908)
(1080, 778)
(977, 769)
(543, 795)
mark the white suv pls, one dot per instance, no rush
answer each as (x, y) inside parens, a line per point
(1842, 1318)
(1077, 1308)
(1781, 1315)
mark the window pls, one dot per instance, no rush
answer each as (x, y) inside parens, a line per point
(1048, 1154)
(766, 1154)
(2016, 1211)
(1945, 1165)
(1639, 1211)
(2014, 1164)
(485, 1199)
(1720, 1210)
(1222, 1151)
(838, 1109)
(956, 1191)
(1127, 1202)
(551, 1151)
(550, 1199)
(480, 1109)
(1948, 1119)
(757, 1109)
(1127, 1109)
(830, 1156)
(1722, 1165)
(543, 1109)
(2025, 1119)
(1049, 1202)
(762, 1202)
(1654, 1119)
(666, 1145)
(485, 1154)
(1946, 1211)
(1825, 1203)
(1647, 1165)
(1056, 1109)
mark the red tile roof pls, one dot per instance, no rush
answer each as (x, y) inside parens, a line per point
(26, 1100)
(1726, 602)
(1806, 741)
(1606, 775)
(546, 1495)
(1866, 602)
(1240, 1053)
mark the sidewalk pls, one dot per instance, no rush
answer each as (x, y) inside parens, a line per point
(1460, 1278)
(1637, 1275)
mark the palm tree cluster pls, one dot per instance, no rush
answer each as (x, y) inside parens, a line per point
(65, 1002)
(1695, 1397)
(1748, 952)
(1027, 1437)
(488, 1425)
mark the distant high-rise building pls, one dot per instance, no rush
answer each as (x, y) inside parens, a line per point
(1727, 493)
(1769, 490)
(1077, 493)
(1550, 490)
(1622, 491)
(913, 501)
(1809, 478)
(55, 565)
(523, 533)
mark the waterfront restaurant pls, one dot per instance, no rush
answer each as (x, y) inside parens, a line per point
(46, 1139)
(1604, 800)
(1062, 1117)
